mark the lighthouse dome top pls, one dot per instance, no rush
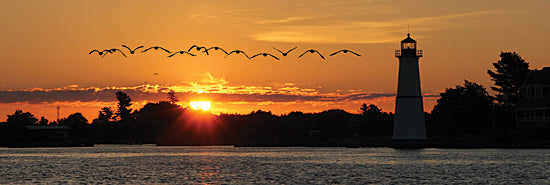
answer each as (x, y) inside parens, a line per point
(408, 39)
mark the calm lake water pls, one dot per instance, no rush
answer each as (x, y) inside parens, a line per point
(149, 164)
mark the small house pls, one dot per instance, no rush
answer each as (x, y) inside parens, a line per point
(533, 108)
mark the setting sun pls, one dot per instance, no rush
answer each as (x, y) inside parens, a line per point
(200, 105)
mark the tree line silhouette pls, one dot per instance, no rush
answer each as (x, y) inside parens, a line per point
(464, 116)
(167, 123)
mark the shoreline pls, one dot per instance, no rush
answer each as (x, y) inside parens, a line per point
(395, 146)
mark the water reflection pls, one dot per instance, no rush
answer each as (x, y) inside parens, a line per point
(148, 164)
(208, 175)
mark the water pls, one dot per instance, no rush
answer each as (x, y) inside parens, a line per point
(148, 164)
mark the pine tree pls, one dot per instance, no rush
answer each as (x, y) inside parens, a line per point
(124, 102)
(511, 71)
(106, 114)
(172, 97)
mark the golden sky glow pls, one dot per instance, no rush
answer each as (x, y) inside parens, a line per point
(44, 59)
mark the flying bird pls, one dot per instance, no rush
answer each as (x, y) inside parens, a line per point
(285, 53)
(99, 52)
(156, 47)
(237, 52)
(198, 49)
(265, 55)
(181, 53)
(132, 51)
(312, 51)
(112, 51)
(345, 51)
(155, 74)
(215, 48)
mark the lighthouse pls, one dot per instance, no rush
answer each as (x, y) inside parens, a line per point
(409, 123)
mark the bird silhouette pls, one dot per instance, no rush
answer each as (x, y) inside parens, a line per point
(265, 55)
(131, 51)
(98, 52)
(312, 51)
(215, 48)
(237, 52)
(182, 52)
(155, 74)
(155, 47)
(112, 51)
(198, 49)
(285, 53)
(345, 51)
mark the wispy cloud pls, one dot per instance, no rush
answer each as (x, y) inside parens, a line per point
(355, 32)
(454, 20)
(333, 30)
(285, 20)
(157, 92)
(202, 16)
(216, 88)
(226, 97)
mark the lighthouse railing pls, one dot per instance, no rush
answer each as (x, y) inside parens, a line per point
(397, 53)
(418, 53)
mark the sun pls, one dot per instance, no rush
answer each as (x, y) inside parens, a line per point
(200, 105)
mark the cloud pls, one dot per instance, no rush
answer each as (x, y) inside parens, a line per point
(331, 30)
(215, 88)
(158, 93)
(285, 20)
(226, 97)
(354, 32)
(453, 20)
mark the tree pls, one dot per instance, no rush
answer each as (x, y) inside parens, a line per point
(463, 110)
(106, 114)
(371, 109)
(124, 102)
(20, 118)
(172, 97)
(511, 71)
(158, 120)
(378, 123)
(80, 129)
(75, 120)
(43, 121)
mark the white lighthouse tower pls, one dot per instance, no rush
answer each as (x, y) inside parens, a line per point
(409, 123)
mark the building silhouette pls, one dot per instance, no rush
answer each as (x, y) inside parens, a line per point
(533, 109)
(409, 122)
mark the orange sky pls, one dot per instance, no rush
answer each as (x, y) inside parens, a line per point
(45, 63)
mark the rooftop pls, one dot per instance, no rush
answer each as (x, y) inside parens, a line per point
(408, 39)
(539, 77)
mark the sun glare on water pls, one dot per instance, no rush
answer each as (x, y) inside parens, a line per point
(200, 105)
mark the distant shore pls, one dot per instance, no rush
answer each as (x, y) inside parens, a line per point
(376, 142)
(389, 144)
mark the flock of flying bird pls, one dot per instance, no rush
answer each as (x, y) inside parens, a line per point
(206, 50)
